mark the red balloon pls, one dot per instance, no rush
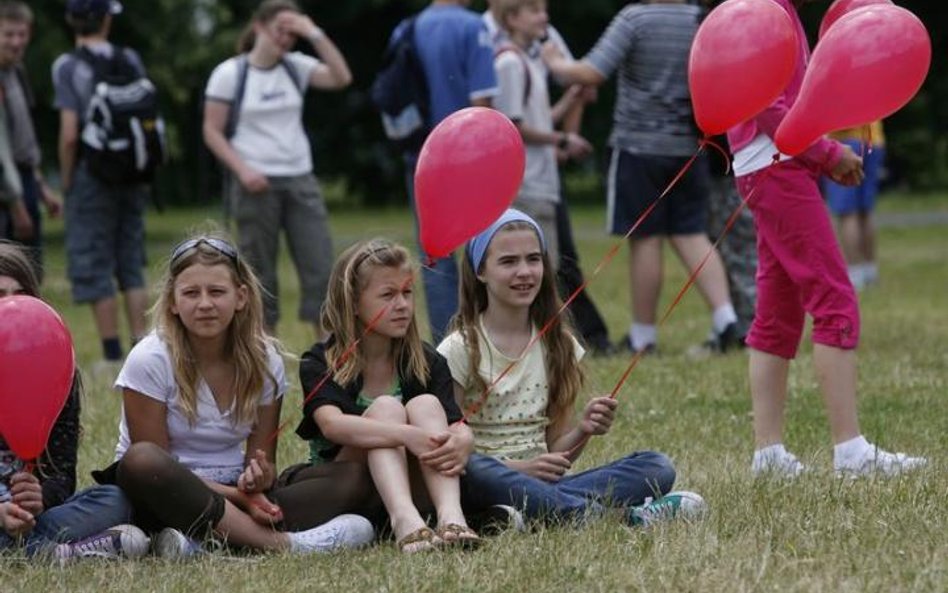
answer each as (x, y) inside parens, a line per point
(842, 7)
(37, 364)
(469, 171)
(741, 59)
(871, 63)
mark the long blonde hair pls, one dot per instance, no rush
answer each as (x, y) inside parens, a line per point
(564, 374)
(247, 342)
(350, 276)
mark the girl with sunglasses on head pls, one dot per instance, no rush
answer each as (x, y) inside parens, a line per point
(201, 404)
(38, 508)
(387, 403)
(525, 435)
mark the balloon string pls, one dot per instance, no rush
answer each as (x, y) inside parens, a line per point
(608, 257)
(732, 219)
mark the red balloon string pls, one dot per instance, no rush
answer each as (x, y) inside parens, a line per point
(608, 257)
(637, 356)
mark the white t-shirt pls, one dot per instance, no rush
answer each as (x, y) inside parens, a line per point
(269, 135)
(213, 447)
(512, 423)
(541, 178)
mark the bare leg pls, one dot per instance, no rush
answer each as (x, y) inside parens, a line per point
(849, 231)
(426, 412)
(105, 313)
(768, 385)
(836, 373)
(237, 527)
(712, 281)
(867, 235)
(389, 469)
(136, 303)
(645, 276)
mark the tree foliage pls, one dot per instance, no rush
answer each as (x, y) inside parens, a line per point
(182, 40)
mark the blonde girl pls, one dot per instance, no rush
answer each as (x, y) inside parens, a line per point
(201, 404)
(526, 438)
(388, 402)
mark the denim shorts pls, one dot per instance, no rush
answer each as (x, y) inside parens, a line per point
(105, 237)
(635, 181)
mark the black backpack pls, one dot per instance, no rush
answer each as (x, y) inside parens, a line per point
(123, 135)
(400, 91)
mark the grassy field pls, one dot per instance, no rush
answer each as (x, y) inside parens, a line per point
(818, 533)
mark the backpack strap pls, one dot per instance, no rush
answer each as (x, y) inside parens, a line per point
(243, 65)
(526, 67)
(294, 74)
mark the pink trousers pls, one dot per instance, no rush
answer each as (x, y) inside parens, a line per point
(800, 266)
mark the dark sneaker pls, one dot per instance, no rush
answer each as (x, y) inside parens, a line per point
(497, 519)
(601, 347)
(625, 345)
(730, 340)
(121, 541)
(681, 503)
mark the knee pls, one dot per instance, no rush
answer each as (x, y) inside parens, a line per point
(661, 471)
(425, 404)
(143, 463)
(387, 408)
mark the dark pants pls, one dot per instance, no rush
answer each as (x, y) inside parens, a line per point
(586, 317)
(31, 199)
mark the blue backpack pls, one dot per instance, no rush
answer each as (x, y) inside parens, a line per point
(400, 91)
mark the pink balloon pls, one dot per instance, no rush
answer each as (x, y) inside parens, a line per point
(840, 8)
(37, 364)
(871, 62)
(741, 59)
(469, 171)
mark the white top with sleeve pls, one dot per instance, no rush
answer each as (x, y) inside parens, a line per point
(212, 447)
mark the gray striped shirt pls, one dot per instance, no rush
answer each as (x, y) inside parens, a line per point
(649, 45)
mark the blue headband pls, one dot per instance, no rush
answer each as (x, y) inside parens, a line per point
(477, 247)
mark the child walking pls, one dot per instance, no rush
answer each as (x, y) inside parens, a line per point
(39, 509)
(206, 381)
(525, 435)
(388, 403)
(801, 271)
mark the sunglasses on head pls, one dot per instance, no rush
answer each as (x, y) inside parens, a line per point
(219, 245)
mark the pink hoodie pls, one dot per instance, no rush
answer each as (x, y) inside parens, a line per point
(822, 155)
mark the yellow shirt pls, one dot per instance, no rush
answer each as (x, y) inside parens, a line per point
(871, 133)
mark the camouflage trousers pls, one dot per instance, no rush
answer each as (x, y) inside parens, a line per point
(738, 249)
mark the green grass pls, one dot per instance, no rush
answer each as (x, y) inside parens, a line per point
(816, 534)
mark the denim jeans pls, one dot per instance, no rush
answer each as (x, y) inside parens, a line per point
(83, 514)
(441, 278)
(623, 483)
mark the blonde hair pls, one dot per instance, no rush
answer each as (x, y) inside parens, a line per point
(501, 9)
(247, 343)
(564, 374)
(350, 276)
(266, 12)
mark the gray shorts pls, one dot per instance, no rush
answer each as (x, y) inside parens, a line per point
(105, 237)
(295, 205)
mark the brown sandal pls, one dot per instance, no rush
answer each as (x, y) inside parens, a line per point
(461, 536)
(422, 535)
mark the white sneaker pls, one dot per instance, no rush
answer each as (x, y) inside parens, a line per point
(171, 544)
(784, 465)
(678, 504)
(121, 541)
(343, 532)
(877, 461)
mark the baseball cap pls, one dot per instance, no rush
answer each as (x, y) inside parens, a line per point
(83, 7)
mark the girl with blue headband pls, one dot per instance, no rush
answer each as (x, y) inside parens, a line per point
(525, 436)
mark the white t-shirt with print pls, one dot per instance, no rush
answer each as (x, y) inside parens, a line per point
(269, 135)
(213, 446)
(512, 422)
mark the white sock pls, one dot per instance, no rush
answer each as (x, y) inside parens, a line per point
(722, 317)
(770, 452)
(642, 335)
(870, 271)
(856, 276)
(853, 450)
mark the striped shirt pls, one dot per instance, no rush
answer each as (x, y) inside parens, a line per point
(649, 45)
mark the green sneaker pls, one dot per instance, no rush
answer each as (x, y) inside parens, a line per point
(681, 503)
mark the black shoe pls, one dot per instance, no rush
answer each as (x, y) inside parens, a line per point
(601, 347)
(727, 341)
(496, 519)
(625, 345)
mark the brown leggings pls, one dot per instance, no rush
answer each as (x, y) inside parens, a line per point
(164, 493)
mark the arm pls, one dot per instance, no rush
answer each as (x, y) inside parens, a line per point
(570, 71)
(216, 114)
(333, 73)
(598, 415)
(365, 433)
(68, 146)
(146, 418)
(260, 457)
(54, 205)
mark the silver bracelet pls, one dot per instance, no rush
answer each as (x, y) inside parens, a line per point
(316, 35)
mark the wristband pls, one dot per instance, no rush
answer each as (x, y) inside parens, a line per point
(563, 142)
(316, 35)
